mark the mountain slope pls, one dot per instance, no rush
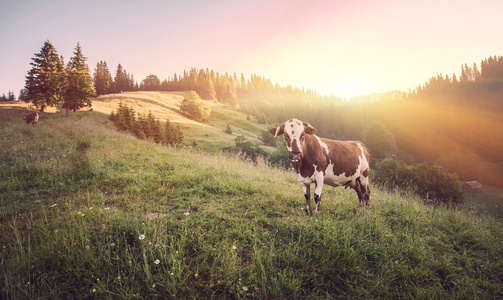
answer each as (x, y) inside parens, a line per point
(165, 105)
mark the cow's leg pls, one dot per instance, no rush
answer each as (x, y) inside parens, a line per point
(307, 195)
(317, 192)
(365, 188)
(358, 189)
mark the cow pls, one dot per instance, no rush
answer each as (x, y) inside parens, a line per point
(324, 161)
(31, 118)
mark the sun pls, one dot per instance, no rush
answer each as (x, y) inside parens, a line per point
(348, 90)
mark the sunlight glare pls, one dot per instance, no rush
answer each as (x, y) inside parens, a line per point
(348, 90)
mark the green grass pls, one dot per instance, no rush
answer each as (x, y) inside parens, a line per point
(76, 195)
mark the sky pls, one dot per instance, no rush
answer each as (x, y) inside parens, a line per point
(338, 47)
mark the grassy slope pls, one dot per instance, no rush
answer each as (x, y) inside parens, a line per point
(76, 195)
(209, 136)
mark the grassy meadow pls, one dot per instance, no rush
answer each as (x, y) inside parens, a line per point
(89, 212)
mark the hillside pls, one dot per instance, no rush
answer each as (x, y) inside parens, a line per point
(89, 212)
(209, 136)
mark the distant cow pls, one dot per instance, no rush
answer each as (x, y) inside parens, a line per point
(323, 161)
(31, 118)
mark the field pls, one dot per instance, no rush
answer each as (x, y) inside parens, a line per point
(89, 212)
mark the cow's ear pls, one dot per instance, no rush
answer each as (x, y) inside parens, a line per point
(309, 129)
(277, 131)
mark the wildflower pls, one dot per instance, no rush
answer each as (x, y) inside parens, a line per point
(91, 207)
(176, 251)
(119, 278)
(148, 242)
(97, 279)
(187, 213)
(234, 247)
(256, 289)
(83, 214)
(245, 288)
(141, 237)
(317, 236)
(171, 274)
(153, 285)
(112, 244)
(214, 246)
(94, 290)
(107, 208)
(157, 261)
(195, 275)
(230, 282)
(230, 272)
(87, 247)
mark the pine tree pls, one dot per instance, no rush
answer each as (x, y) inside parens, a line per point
(121, 80)
(46, 81)
(206, 87)
(11, 96)
(80, 83)
(475, 73)
(102, 79)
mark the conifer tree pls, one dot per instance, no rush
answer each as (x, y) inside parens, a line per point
(80, 83)
(121, 80)
(102, 79)
(206, 87)
(46, 81)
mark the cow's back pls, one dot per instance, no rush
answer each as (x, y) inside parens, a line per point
(347, 160)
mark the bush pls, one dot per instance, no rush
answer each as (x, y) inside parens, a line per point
(228, 129)
(193, 107)
(431, 182)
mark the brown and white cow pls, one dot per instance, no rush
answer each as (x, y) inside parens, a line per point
(31, 118)
(323, 161)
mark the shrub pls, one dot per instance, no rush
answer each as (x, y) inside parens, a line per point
(193, 107)
(431, 182)
(228, 129)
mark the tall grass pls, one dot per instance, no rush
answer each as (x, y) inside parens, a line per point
(88, 212)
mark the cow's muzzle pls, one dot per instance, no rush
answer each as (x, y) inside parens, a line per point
(295, 157)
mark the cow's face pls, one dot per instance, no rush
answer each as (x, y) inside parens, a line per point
(294, 131)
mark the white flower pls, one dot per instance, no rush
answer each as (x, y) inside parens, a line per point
(245, 288)
(187, 213)
(141, 237)
(234, 247)
(157, 261)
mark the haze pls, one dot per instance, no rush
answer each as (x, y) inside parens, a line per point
(341, 48)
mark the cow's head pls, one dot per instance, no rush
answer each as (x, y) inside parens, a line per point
(294, 131)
